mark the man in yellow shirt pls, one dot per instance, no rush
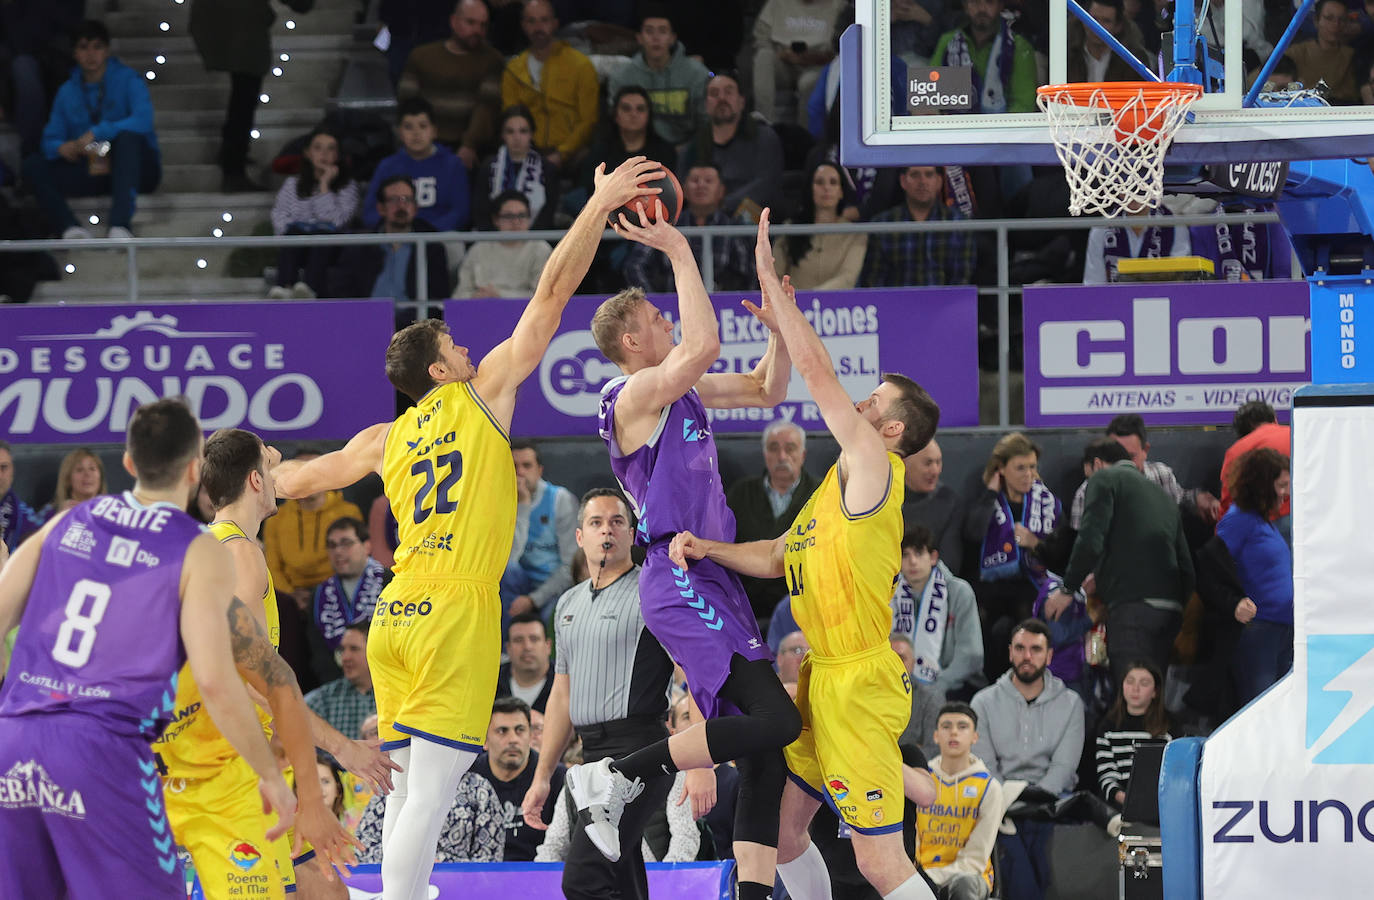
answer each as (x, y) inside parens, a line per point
(557, 83)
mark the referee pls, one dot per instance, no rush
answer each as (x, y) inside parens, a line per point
(610, 683)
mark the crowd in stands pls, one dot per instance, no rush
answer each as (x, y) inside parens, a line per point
(529, 95)
(999, 615)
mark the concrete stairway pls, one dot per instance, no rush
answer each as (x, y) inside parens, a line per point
(189, 109)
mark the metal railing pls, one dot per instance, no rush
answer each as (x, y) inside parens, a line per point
(1003, 290)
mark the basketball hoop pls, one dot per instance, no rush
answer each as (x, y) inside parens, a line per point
(1112, 137)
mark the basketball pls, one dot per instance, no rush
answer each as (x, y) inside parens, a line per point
(671, 198)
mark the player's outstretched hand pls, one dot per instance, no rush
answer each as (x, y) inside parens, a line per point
(366, 760)
(629, 180)
(332, 842)
(699, 786)
(685, 547)
(532, 807)
(278, 798)
(657, 233)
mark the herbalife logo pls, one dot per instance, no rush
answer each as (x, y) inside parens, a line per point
(1340, 698)
(27, 786)
(79, 539)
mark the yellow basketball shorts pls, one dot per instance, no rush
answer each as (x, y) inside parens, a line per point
(853, 710)
(219, 820)
(434, 650)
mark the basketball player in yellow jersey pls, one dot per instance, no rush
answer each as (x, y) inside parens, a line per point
(434, 648)
(212, 803)
(840, 558)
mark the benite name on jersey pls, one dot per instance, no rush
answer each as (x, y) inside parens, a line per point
(114, 510)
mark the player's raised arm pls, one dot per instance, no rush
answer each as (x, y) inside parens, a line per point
(207, 607)
(357, 459)
(512, 361)
(766, 385)
(650, 389)
(863, 456)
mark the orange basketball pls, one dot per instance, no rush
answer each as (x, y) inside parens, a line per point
(671, 198)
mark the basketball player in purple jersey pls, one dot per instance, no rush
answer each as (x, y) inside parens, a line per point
(114, 596)
(655, 423)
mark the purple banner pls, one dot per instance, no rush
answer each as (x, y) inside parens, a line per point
(929, 334)
(282, 370)
(1174, 353)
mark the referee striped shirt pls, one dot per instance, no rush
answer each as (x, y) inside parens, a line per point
(616, 669)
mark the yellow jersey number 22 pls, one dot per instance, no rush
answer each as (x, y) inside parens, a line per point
(440, 474)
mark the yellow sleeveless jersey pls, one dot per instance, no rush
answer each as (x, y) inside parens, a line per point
(840, 567)
(450, 480)
(944, 827)
(192, 746)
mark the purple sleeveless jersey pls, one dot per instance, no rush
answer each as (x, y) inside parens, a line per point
(702, 616)
(101, 634)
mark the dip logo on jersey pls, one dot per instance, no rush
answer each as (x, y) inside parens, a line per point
(1340, 699)
(78, 539)
(122, 552)
(244, 855)
(27, 786)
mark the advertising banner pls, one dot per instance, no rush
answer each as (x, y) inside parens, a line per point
(928, 334)
(1177, 354)
(75, 374)
(1342, 314)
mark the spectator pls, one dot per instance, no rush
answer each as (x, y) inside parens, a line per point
(1256, 426)
(1257, 47)
(934, 504)
(1068, 631)
(1031, 730)
(745, 151)
(350, 594)
(439, 179)
(1245, 250)
(1128, 430)
(346, 702)
(388, 270)
(704, 192)
(234, 36)
(1328, 57)
(321, 199)
(509, 765)
(36, 47)
(792, 43)
(295, 540)
(1264, 563)
(557, 83)
(926, 700)
(938, 614)
(99, 139)
(1131, 539)
(81, 477)
(959, 831)
(461, 76)
(790, 652)
(331, 787)
(916, 29)
(1136, 715)
(765, 505)
(675, 81)
(1008, 522)
(630, 131)
(911, 259)
(1109, 244)
(517, 166)
(1089, 57)
(540, 567)
(409, 24)
(528, 675)
(823, 262)
(473, 830)
(504, 268)
(1003, 64)
(17, 518)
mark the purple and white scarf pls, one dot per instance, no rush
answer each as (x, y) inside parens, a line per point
(335, 611)
(16, 519)
(923, 623)
(529, 180)
(991, 85)
(1156, 242)
(1001, 558)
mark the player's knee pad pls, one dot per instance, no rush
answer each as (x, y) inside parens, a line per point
(754, 687)
(761, 780)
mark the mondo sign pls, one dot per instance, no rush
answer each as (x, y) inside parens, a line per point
(282, 370)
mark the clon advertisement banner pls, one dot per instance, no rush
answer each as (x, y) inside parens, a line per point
(929, 334)
(75, 374)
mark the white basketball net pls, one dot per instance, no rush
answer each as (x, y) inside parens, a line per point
(1113, 157)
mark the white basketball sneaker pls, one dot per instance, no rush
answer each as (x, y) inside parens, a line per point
(603, 793)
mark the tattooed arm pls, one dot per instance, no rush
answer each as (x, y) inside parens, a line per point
(205, 600)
